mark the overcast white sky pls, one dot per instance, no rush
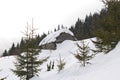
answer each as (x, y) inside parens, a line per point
(47, 14)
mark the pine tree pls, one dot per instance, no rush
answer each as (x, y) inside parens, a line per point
(62, 27)
(5, 53)
(53, 65)
(58, 27)
(12, 50)
(22, 43)
(49, 66)
(27, 64)
(61, 64)
(55, 30)
(83, 53)
(109, 31)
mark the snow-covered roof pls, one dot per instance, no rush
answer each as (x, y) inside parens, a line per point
(52, 36)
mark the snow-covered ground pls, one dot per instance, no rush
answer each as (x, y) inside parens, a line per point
(102, 67)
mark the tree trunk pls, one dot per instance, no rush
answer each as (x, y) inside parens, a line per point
(84, 63)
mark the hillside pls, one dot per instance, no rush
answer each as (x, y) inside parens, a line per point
(102, 67)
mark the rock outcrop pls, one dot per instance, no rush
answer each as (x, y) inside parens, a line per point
(50, 41)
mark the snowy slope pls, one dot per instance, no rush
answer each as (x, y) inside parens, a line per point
(103, 67)
(52, 37)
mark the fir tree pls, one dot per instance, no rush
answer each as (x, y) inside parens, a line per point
(5, 53)
(49, 66)
(58, 27)
(109, 31)
(27, 64)
(12, 50)
(83, 53)
(55, 30)
(53, 65)
(22, 43)
(61, 64)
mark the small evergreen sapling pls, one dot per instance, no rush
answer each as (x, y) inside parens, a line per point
(61, 64)
(53, 65)
(83, 53)
(50, 66)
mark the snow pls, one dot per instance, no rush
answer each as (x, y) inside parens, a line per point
(102, 67)
(52, 36)
(6, 64)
